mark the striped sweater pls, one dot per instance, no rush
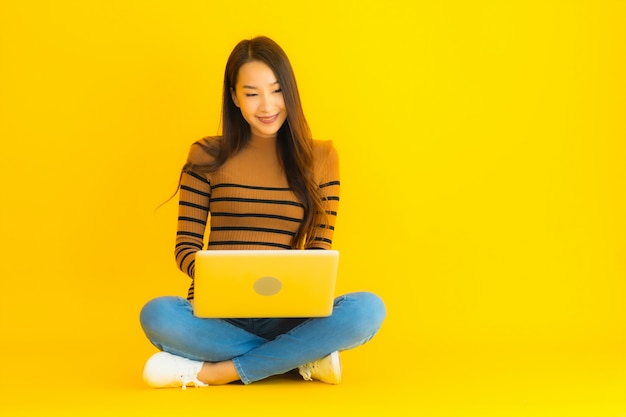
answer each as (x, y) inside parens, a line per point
(247, 203)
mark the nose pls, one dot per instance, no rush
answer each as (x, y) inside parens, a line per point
(267, 103)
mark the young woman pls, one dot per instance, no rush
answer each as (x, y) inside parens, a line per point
(264, 184)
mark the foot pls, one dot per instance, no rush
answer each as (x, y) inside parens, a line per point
(165, 370)
(327, 369)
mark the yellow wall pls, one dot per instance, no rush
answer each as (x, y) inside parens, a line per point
(483, 151)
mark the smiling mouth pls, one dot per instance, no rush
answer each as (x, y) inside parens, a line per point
(268, 119)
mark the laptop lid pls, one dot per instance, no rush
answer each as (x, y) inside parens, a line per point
(265, 283)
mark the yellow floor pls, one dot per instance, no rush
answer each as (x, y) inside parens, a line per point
(85, 379)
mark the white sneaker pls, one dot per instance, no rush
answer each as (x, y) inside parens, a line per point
(327, 369)
(165, 370)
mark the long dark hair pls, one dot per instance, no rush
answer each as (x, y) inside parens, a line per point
(294, 141)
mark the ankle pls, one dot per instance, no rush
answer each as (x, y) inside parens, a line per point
(218, 373)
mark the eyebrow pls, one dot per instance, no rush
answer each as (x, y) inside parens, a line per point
(251, 87)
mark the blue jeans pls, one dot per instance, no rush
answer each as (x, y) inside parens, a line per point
(260, 348)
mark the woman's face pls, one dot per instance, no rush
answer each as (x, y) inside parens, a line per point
(260, 99)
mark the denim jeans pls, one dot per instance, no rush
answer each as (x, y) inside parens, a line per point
(260, 348)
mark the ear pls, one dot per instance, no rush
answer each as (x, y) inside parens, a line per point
(234, 96)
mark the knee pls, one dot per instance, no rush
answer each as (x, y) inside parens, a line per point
(157, 314)
(375, 307)
(368, 309)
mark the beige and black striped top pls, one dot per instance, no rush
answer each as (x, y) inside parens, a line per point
(248, 203)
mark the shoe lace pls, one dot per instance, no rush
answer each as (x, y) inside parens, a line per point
(189, 376)
(305, 371)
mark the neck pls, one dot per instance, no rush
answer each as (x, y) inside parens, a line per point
(260, 142)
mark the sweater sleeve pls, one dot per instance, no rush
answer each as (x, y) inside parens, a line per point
(193, 212)
(327, 174)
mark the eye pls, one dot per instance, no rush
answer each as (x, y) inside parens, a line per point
(250, 94)
(279, 90)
